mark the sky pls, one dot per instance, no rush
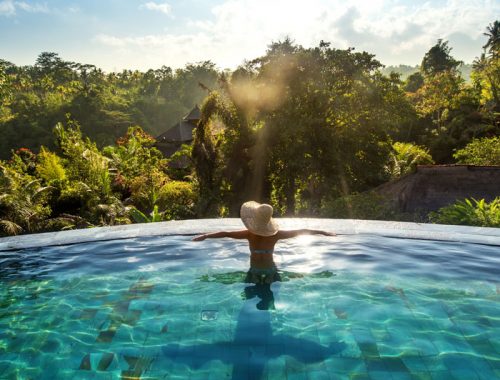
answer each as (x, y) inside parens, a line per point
(142, 34)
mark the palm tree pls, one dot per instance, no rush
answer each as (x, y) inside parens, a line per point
(228, 157)
(493, 34)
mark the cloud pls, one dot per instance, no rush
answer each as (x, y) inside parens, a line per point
(159, 7)
(397, 31)
(7, 8)
(110, 40)
(33, 8)
(10, 8)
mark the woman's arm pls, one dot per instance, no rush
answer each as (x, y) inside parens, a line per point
(243, 234)
(293, 233)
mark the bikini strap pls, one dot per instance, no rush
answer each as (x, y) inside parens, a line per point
(262, 251)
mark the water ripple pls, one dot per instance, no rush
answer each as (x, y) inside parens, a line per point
(359, 253)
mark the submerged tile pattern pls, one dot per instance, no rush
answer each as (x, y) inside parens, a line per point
(343, 327)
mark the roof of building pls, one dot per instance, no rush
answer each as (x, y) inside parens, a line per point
(183, 130)
(431, 187)
(193, 115)
(180, 132)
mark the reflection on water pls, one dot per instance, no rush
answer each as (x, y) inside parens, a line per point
(254, 343)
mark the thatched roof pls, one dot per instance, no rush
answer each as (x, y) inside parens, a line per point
(434, 186)
(193, 115)
(182, 132)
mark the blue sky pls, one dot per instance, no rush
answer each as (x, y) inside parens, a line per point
(143, 34)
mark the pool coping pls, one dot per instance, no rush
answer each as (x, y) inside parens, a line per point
(406, 230)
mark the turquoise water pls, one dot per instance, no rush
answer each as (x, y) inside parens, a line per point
(350, 307)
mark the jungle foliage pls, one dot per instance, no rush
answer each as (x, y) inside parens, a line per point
(79, 185)
(470, 212)
(33, 99)
(306, 129)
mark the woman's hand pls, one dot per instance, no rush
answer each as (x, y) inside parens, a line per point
(200, 238)
(326, 233)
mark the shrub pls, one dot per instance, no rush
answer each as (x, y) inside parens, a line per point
(50, 167)
(178, 200)
(23, 202)
(146, 189)
(485, 151)
(360, 206)
(405, 157)
(470, 212)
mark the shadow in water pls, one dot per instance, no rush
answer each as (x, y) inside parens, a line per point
(254, 343)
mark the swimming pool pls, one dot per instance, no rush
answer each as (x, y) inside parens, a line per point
(381, 301)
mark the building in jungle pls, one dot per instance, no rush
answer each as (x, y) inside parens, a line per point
(181, 133)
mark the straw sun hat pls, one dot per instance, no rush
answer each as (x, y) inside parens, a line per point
(258, 218)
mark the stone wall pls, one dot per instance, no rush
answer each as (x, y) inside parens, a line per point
(434, 186)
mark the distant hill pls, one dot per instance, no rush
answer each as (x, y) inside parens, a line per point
(406, 70)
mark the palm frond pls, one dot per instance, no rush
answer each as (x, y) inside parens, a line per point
(10, 228)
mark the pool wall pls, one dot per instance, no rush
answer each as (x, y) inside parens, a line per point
(465, 234)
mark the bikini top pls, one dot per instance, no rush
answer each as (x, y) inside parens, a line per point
(262, 251)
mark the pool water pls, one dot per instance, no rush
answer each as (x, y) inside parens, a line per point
(164, 307)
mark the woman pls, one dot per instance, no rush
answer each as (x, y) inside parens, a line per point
(262, 234)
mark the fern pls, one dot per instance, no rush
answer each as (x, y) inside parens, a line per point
(470, 212)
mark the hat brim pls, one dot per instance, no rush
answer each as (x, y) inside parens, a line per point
(270, 229)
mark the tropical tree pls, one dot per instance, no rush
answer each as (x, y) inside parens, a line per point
(405, 157)
(486, 70)
(493, 34)
(438, 59)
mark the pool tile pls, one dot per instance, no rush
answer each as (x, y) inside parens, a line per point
(401, 376)
(434, 364)
(198, 374)
(414, 364)
(464, 374)
(51, 345)
(379, 375)
(369, 349)
(219, 371)
(395, 364)
(132, 317)
(88, 313)
(107, 359)
(425, 347)
(106, 336)
(420, 376)
(141, 287)
(345, 365)
(441, 375)
(276, 368)
(130, 375)
(296, 376)
(481, 366)
(121, 307)
(85, 364)
(360, 376)
(457, 362)
(318, 375)
(375, 365)
(481, 346)
(137, 365)
(294, 366)
(84, 375)
(495, 343)
(495, 364)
